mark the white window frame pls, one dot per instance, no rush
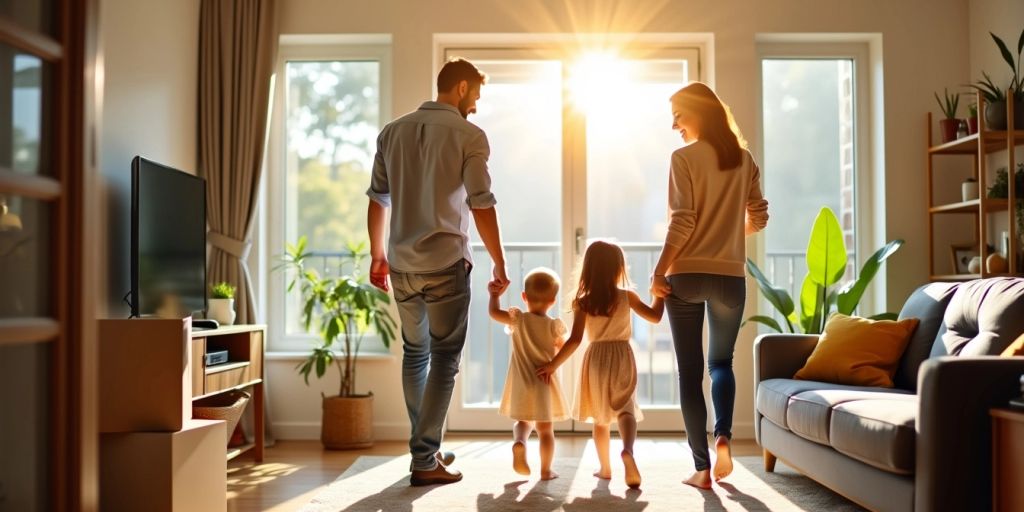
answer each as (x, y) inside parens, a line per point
(869, 177)
(311, 47)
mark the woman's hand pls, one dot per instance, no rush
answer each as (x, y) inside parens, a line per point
(545, 372)
(660, 287)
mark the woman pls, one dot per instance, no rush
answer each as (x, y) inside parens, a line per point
(714, 201)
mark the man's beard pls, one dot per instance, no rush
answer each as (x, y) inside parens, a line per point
(464, 107)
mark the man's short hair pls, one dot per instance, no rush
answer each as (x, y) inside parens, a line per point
(456, 70)
(541, 284)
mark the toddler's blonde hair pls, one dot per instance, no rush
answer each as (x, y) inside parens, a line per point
(541, 284)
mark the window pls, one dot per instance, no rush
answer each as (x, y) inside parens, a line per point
(329, 107)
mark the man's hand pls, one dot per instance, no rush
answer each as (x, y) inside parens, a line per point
(495, 288)
(379, 271)
(660, 287)
(500, 278)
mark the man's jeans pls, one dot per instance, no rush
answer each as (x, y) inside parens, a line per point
(722, 297)
(434, 310)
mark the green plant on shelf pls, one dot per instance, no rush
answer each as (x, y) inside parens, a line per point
(949, 104)
(222, 290)
(987, 88)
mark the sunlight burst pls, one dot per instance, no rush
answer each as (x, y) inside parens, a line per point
(599, 81)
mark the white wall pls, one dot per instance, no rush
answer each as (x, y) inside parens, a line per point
(149, 56)
(924, 47)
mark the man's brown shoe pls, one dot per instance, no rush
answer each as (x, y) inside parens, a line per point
(446, 458)
(437, 476)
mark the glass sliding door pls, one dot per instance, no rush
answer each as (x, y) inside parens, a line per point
(580, 148)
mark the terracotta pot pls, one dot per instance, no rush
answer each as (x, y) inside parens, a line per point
(972, 125)
(347, 422)
(947, 128)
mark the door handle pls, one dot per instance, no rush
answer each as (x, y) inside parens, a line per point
(579, 239)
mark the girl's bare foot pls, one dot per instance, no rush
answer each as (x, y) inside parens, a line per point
(723, 460)
(519, 458)
(632, 472)
(548, 475)
(700, 480)
(605, 474)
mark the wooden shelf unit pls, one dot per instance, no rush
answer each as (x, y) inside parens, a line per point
(244, 369)
(979, 145)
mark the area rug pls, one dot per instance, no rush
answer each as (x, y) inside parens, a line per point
(376, 483)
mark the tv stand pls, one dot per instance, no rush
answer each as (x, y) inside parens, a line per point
(203, 324)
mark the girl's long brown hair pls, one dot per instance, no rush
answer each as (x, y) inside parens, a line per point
(603, 273)
(717, 126)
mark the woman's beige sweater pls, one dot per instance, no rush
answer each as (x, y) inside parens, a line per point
(711, 211)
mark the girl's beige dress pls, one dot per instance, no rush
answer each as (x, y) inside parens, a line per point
(526, 397)
(607, 385)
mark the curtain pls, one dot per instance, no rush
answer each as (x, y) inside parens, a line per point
(237, 50)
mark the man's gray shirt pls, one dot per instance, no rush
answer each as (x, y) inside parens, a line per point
(430, 169)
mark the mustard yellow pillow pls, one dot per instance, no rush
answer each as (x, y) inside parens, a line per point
(858, 351)
(1015, 349)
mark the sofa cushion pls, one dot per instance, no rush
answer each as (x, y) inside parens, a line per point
(858, 351)
(877, 432)
(773, 395)
(983, 318)
(809, 414)
(928, 305)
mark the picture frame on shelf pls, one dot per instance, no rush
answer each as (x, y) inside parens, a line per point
(961, 255)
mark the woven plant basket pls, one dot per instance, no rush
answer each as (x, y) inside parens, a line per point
(347, 422)
(225, 406)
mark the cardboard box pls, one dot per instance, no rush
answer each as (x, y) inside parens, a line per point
(184, 471)
(145, 370)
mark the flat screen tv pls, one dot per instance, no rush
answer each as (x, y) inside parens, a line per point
(168, 253)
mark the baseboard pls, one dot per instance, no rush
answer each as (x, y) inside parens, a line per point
(310, 430)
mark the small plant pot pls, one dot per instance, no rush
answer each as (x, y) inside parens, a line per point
(222, 310)
(972, 125)
(947, 129)
(347, 422)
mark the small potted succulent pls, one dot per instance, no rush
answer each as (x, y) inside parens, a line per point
(222, 303)
(948, 105)
(972, 119)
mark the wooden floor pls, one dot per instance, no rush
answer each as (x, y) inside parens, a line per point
(294, 471)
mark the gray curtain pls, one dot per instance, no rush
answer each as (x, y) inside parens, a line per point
(237, 48)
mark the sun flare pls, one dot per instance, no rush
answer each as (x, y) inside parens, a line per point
(598, 81)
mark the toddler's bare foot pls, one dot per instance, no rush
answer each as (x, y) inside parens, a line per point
(603, 473)
(548, 475)
(632, 472)
(519, 458)
(723, 460)
(700, 480)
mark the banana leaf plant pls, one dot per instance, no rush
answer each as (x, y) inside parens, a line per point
(820, 294)
(345, 309)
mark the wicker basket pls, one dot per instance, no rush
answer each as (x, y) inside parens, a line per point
(225, 406)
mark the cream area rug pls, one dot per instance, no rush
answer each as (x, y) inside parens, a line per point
(375, 483)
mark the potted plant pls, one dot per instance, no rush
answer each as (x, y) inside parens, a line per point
(826, 265)
(995, 109)
(948, 105)
(222, 303)
(344, 309)
(972, 119)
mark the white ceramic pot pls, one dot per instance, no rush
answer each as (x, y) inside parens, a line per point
(969, 190)
(222, 310)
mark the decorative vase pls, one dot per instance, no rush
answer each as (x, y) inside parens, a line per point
(974, 266)
(972, 125)
(969, 189)
(347, 422)
(222, 310)
(947, 127)
(996, 264)
(995, 115)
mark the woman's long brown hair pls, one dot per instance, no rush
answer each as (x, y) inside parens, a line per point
(717, 126)
(602, 275)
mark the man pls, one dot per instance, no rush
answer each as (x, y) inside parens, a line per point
(430, 170)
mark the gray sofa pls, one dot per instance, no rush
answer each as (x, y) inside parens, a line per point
(923, 445)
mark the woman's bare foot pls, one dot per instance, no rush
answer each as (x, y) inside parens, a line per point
(548, 475)
(519, 458)
(700, 480)
(723, 459)
(605, 474)
(632, 472)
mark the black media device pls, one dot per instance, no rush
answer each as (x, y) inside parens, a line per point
(217, 357)
(168, 241)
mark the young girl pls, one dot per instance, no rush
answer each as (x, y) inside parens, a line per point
(607, 390)
(533, 403)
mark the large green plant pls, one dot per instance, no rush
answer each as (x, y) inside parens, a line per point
(994, 93)
(345, 308)
(819, 296)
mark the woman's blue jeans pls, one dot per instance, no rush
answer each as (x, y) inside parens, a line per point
(722, 297)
